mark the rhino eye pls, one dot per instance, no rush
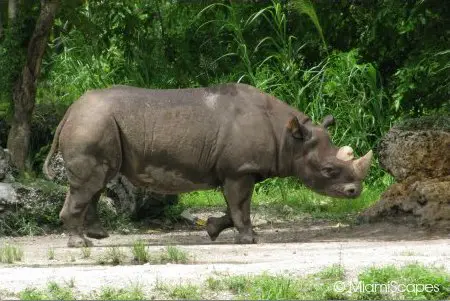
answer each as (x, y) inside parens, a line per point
(330, 171)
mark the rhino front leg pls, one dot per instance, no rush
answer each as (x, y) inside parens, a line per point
(92, 225)
(238, 194)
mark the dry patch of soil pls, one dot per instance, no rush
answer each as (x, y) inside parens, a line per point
(298, 248)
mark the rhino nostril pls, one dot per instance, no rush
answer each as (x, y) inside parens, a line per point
(350, 189)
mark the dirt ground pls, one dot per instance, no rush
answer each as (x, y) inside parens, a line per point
(298, 248)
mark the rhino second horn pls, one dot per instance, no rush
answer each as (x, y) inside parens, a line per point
(362, 165)
(345, 153)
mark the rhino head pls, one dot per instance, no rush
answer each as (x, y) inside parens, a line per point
(322, 166)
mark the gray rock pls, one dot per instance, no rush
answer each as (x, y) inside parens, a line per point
(6, 169)
(139, 202)
(57, 165)
(417, 154)
(30, 209)
(8, 196)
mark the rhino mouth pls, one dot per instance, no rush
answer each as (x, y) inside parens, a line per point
(343, 191)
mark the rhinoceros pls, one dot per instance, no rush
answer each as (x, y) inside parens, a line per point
(180, 140)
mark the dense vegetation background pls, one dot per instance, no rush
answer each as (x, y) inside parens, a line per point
(369, 63)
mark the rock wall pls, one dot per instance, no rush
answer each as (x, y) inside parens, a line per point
(417, 154)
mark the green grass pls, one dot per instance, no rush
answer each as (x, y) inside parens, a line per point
(321, 285)
(317, 286)
(286, 197)
(113, 255)
(33, 294)
(54, 291)
(134, 292)
(140, 253)
(183, 292)
(51, 254)
(412, 274)
(264, 287)
(284, 287)
(85, 252)
(173, 254)
(10, 253)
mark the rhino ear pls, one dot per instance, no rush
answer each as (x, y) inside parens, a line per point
(327, 121)
(298, 130)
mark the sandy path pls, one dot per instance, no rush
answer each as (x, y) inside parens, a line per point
(293, 251)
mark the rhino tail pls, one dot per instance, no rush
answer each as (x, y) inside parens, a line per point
(48, 172)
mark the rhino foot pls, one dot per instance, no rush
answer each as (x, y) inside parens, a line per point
(76, 241)
(211, 229)
(246, 238)
(96, 232)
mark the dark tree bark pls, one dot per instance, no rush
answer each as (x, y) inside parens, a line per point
(1, 26)
(24, 90)
(12, 11)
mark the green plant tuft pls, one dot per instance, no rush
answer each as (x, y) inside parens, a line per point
(10, 253)
(140, 252)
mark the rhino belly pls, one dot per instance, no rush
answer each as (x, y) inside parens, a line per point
(164, 180)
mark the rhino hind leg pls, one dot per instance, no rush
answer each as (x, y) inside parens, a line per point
(87, 177)
(92, 224)
(238, 193)
(215, 225)
(72, 215)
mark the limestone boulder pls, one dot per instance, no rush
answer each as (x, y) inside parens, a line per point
(417, 153)
(6, 168)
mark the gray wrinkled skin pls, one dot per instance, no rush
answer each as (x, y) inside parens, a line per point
(181, 140)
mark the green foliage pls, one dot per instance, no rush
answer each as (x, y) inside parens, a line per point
(54, 291)
(318, 286)
(113, 255)
(10, 253)
(306, 7)
(135, 292)
(264, 287)
(32, 294)
(174, 254)
(412, 275)
(13, 49)
(407, 41)
(288, 198)
(51, 254)
(352, 93)
(140, 252)
(327, 284)
(185, 292)
(86, 252)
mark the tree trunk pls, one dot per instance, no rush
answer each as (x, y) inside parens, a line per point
(12, 11)
(24, 91)
(1, 26)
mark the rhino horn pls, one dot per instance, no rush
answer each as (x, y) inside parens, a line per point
(345, 153)
(362, 165)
